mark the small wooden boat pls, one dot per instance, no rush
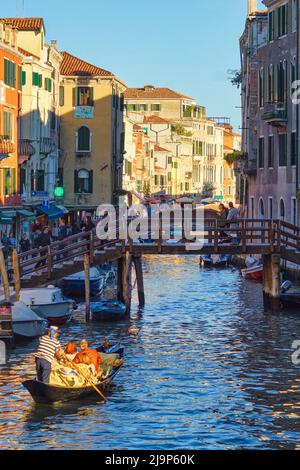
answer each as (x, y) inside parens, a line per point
(26, 323)
(206, 261)
(47, 394)
(49, 303)
(220, 261)
(108, 310)
(74, 285)
(254, 272)
(289, 296)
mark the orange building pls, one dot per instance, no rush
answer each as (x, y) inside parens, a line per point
(10, 104)
(232, 144)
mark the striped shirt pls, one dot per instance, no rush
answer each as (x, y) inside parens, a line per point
(47, 348)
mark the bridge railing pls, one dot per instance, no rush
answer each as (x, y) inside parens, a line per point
(273, 234)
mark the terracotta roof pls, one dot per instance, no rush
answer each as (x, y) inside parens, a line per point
(152, 93)
(24, 24)
(158, 148)
(73, 66)
(26, 53)
(155, 120)
(137, 127)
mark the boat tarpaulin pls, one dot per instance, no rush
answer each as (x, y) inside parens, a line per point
(52, 211)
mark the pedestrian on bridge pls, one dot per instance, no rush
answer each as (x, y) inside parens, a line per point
(44, 240)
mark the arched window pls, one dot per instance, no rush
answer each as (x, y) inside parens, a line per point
(83, 181)
(282, 210)
(83, 143)
(261, 209)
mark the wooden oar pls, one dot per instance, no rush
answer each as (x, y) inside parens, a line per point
(87, 379)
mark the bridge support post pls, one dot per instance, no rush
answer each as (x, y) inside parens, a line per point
(86, 264)
(271, 282)
(139, 279)
(124, 280)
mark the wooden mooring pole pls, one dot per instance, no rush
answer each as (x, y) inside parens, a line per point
(86, 263)
(16, 270)
(271, 282)
(4, 276)
(137, 260)
(124, 280)
(6, 326)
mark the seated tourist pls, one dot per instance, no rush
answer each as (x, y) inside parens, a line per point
(92, 354)
(86, 366)
(71, 350)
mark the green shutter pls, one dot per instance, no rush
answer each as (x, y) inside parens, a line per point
(91, 182)
(35, 79)
(13, 180)
(91, 96)
(5, 72)
(50, 85)
(40, 81)
(23, 78)
(75, 181)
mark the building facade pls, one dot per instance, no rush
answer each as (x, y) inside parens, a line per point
(268, 171)
(92, 134)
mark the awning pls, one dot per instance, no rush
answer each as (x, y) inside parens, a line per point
(52, 211)
(6, 217)
(64, 209)
(25, 213)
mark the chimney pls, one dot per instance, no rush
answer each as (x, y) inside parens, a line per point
(252, 7)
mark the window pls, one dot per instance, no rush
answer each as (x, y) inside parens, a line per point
(9, 181)
(282, 20)
(143, 107)
(294, 16)
(251, 206)
(294, 211)
(61, 96)
(48, 84)
(156, 107)
(83, 181)
(35, 79)
(294, 148)
(293, 71)
(132, 107)
(282, 141)
(85, 96)
(8, 125)
(261, 209)
(9, 73)
(270, 208)
(261, 96)
(19, 77)
(37, 180)
(281, 82)
(261, 152)
(282, 210)
(271, 25)
(40, 81)
(156, 180)
(83, 140)
(271, 84)
(271, 151)
(210, 130)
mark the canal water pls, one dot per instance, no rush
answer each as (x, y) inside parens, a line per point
(208, 370)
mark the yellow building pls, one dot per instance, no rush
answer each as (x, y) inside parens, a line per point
(92, 137)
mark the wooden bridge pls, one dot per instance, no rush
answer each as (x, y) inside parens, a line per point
(272, 239)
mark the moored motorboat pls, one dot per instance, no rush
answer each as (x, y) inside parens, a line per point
(108, 310)
(49, 303)
(74, 285)
(26, 323)
(289, 296)
(48, 394)
(254, 272)
(220, 261)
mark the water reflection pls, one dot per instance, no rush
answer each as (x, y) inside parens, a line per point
(208, 370)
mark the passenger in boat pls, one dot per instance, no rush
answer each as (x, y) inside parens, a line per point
(106, 343)
(92, 353)
(45, 354)
(71, 350)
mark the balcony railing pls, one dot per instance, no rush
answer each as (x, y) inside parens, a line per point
(6, 147)
(47, 146)
(275, 113)
(250, 167)
(25, 150)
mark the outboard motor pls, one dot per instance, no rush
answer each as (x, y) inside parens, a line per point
(286, 286)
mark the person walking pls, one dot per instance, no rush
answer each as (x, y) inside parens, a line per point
(223, 217)
(24, 244)
(232, 218)
(62, 235)
(44, 240)
(45, 354)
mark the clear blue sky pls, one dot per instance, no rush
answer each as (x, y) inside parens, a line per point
(185, 45)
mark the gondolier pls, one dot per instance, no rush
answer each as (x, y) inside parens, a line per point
(45, 354)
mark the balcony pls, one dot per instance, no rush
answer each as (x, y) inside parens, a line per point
(25, 150)
(250, 168)
(6, 147)
(275, 114)
(47, 146)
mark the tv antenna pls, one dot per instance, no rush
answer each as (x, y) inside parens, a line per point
(20, 5)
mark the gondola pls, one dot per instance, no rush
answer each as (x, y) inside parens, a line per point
(47, 394)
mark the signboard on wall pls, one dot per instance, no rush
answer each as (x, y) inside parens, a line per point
(84, 112)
